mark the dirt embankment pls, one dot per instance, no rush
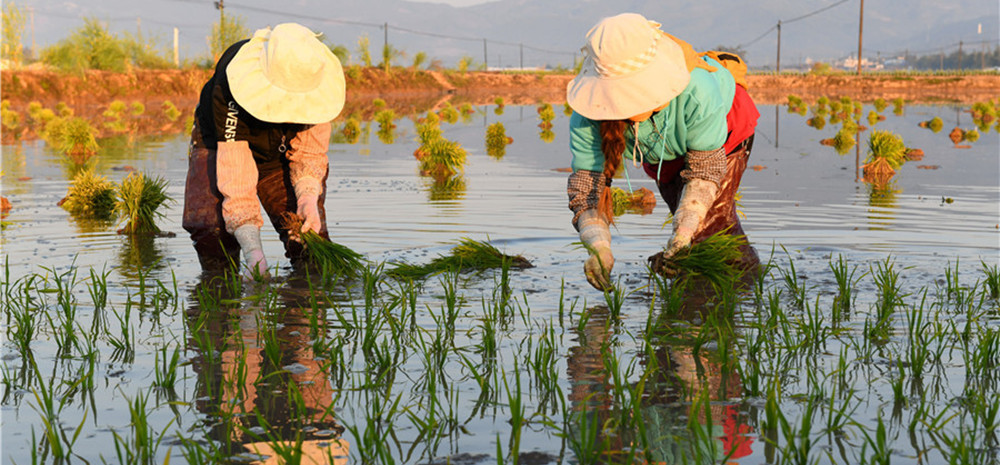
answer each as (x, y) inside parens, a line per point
(413, 92)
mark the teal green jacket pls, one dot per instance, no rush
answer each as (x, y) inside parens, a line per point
(694, 120)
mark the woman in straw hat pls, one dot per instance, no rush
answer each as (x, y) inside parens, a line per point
(648, 96)
(260, 137)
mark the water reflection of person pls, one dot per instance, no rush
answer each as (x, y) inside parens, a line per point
(681, 377)
(255, 393)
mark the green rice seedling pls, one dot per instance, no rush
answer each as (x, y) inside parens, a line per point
(567, 110)
(876, 450)
(880, 104)
(496, 140)
(886, 153)
(448, 114)
(934, 124)
(72, 136)
(844, 140)
(889, 295)
(972, 135)
(498, 101)
(170, 110)
(818, 122)
(386, 119)
(992, 288)
(874, 118)
(141, 445)
(91, 196)
(714, 259)
(9, 119)
(516, 410)
(546, 114)
(49, 405)
(428, 128)
(166, 369)
(351, 130)
(139, 200)
(441, 158)
(468, 254)
(378, 103)
(331, 258)
(846, 282)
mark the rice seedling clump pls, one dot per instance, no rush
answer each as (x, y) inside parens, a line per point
(330, 257)
(91, 196)
(441, 157)
(139, 200)
(496, 140)
(716, 259)
(467, 255)
(886, 153)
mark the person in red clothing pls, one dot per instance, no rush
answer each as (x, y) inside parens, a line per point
(260, 137)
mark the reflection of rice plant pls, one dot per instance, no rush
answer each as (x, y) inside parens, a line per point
(496, 140)
(880, 104)
(447, 188)
(91, 196)
(874, 117)
(139, 199)
(972, 135)
(72, 136)
(385, 119)
(567, 110)
(378, 103)
(817, 122)
(467, 255)
(897, 106)
(441, 157)
(170, 110)
(547, 136)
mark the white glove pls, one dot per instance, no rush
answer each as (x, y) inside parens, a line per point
(248, 236)
(696, 199)
(594, 232)
(308, 209)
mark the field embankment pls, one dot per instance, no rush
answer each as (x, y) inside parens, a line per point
(414, 91)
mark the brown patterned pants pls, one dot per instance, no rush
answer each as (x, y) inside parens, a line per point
(203, 205)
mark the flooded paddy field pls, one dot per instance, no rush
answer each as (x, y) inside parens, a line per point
(873, 336)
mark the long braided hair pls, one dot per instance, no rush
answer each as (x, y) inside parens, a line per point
(613, 146)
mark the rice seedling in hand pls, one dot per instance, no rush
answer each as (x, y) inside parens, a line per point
(467, 255)
(329, 256)
(641, 201)
(90, 196)
(139, 200)
(715, 259)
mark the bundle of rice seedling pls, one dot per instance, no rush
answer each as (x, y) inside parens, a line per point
(139, 199)
(497, 140)
(972, 135)
(934, 124)
(90, 196)
(716, 259)
(886, 153)
(546, 114)
(428, 129)
(441, 157)
(956, 135)
(448, 114)
(328, 256)
(467, 255)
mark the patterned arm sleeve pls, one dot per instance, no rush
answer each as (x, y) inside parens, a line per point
(584, 189)
(237, 177)
(308, 161)
(709, 165)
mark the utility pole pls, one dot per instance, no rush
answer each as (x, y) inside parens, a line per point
(777, 67)
(960, 56)
(31, 13)
(138, 27)
(861, 28)
(522, 56)
(222, 24)
(486, 66)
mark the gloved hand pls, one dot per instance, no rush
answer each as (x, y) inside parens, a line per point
(248, 236)
(308, 209)
(595, 234)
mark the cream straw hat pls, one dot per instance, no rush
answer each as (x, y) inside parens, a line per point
(286, 75)
(630, 67)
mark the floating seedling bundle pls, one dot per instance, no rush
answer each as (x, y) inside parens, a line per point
(330, 257)
(886, 153)
(468, 255)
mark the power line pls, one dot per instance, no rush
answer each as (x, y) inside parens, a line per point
(786, 21)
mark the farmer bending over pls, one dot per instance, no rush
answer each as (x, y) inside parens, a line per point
(260, 137)
(694, 123)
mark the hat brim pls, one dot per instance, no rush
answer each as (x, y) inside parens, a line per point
(615, 98)
(268, 102)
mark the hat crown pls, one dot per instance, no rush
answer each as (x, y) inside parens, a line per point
(291, 59)
(621, 44)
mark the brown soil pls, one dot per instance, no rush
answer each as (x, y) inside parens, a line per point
(414, 92)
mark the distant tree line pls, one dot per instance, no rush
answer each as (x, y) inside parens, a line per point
(972, 58)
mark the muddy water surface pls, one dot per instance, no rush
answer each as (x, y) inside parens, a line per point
(803, 203)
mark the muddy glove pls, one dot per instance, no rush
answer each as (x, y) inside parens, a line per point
(308, 210)
(595, 234)
(248, 236)
(697, 197)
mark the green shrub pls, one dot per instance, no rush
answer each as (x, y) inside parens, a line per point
(89, 47)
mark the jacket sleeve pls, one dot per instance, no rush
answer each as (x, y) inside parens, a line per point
(307, 158)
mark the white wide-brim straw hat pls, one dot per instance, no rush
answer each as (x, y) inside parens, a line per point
(630, 67)
(286, 75)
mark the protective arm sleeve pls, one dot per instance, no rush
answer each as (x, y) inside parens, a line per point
(584, 190)
(237, 177)
(308, 163)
